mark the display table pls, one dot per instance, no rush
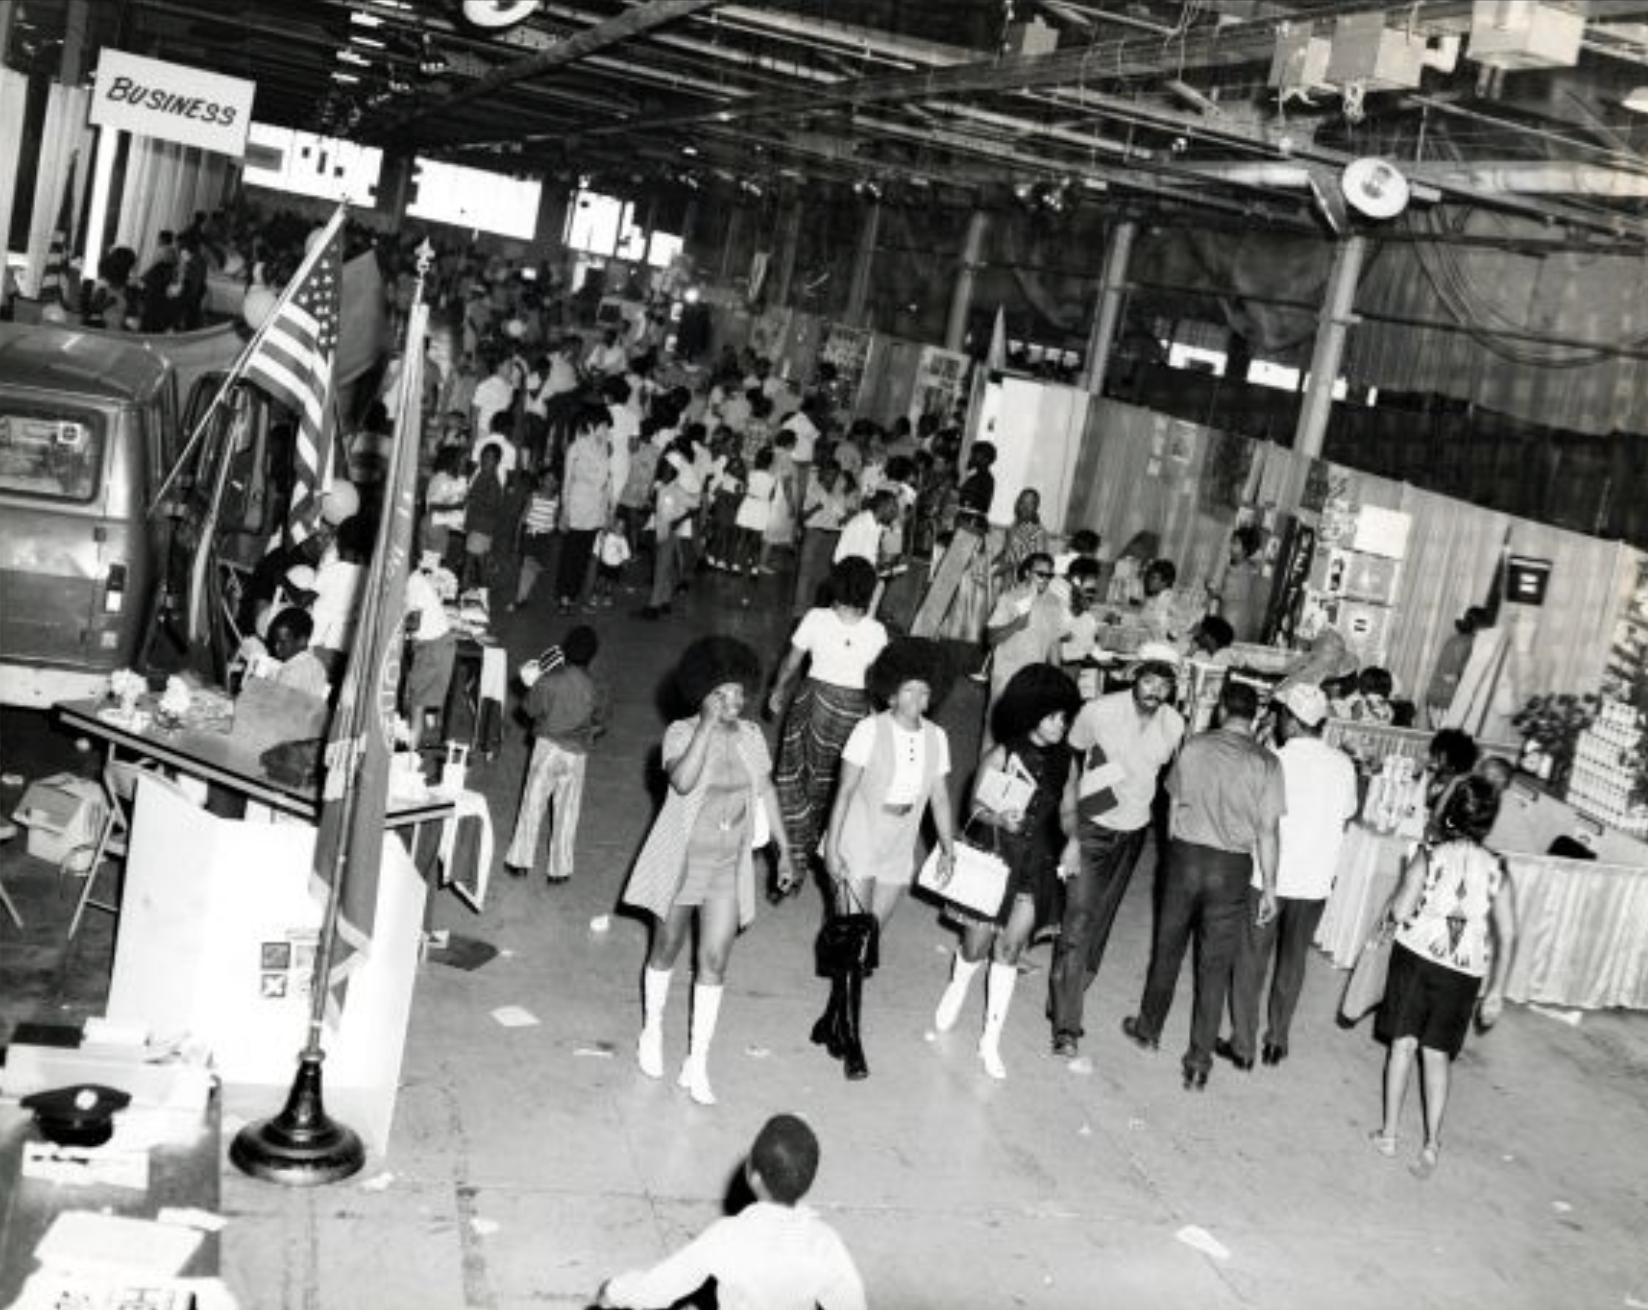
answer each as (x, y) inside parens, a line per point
(1582, 925)
(225, 760)
(185, 1175)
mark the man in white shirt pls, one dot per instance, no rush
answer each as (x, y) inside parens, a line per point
(862, 534)
(1320, 783)
(434, 652)
(772, 1255)
(1122, 742)
(494, 396)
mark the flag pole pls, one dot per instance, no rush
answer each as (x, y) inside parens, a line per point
(310, 256)
(303, 1146)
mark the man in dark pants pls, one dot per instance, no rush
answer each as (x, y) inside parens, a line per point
(1226, 799)
(1320, 784)
(1122, 742)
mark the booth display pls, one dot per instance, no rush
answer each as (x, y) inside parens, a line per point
(1582, 925)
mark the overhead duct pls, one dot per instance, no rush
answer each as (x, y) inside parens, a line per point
(1502, 177)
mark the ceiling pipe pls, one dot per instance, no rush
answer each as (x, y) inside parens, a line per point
(1497, 177)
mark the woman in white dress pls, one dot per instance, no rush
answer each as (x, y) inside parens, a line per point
(895, 769)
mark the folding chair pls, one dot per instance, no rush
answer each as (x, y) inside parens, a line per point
(120, 790)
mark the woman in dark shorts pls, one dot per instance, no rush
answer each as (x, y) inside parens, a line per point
(1454, 921)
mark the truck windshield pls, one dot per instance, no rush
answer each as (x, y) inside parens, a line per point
(49, 453)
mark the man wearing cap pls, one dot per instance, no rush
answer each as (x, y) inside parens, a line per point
(1320, 785)
(1226, 803)
(1122, 742)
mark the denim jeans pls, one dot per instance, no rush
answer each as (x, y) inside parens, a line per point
(1204, 896)
(1091, 899)
(1288, 936)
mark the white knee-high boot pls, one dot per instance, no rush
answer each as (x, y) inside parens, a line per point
(955, 993)
(649, 1047)
(706, 1008)
(998, 996)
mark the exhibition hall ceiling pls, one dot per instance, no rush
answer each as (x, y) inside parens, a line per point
(1244, 111)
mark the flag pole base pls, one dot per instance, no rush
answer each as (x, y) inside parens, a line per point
(302, 1146)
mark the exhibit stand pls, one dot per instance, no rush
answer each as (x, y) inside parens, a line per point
(220, 946)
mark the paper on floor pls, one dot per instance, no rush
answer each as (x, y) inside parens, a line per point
(115, 1246)
(515, 1016)
(1199, 1239)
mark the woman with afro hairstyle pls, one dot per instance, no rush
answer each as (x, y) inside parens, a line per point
(895, 767)
(1030, 721)
(841, 640)
(698, 858)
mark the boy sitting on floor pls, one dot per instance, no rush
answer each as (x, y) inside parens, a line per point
(774, 1254)
(565, 707)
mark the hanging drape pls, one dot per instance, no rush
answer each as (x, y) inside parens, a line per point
(14, 92)
(65, 142)
(1141, 471)
(165, 185)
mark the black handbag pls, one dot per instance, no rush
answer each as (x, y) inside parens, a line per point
(848, 942)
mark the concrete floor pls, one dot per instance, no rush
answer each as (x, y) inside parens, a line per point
(530, 1163)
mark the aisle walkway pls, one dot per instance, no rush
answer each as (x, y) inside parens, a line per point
(528, 1163)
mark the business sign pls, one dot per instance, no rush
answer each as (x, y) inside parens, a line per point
(172, 102)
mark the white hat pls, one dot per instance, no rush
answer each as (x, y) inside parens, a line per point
(300, 577)
(1306, 702)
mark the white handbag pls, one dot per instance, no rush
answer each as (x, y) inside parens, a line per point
(978, 882)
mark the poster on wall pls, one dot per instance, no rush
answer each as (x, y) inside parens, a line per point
(847, 348)
(941, 386)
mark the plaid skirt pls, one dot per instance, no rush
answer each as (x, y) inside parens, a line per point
(822, 716)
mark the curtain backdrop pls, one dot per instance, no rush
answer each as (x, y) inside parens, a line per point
(1144, 471)
(65, 139)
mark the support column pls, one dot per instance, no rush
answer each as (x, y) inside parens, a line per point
(735, 221)
(961, 298)
(789, 239)
(394, 188)
(1107, 309)
(72, 67)
(1331, 326)
(8, 15)
(858, 294)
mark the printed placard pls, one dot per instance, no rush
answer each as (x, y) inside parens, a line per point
(172, 102)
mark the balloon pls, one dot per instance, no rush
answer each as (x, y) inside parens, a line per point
(257, 306)
(340, 502)
(514, 329)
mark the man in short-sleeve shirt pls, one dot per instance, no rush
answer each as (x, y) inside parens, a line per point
(1121, 742)
(1227, 803)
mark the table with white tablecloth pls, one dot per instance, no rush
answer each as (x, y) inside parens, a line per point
(1582, 925)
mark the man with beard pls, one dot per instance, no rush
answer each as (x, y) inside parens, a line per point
(1121, 743)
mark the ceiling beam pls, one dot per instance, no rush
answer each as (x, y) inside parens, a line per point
(632, 22)
(1129, 57)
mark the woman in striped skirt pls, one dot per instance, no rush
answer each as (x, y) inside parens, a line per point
(842, 641)
(698, 858)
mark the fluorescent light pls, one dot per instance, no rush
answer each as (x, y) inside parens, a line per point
(345, 77)
(365, 20)
(350, 57)
(372, 41)
(1637, 101)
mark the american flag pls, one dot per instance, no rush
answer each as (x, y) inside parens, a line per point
(293, 362)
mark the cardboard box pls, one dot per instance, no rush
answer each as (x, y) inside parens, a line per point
(62, 813)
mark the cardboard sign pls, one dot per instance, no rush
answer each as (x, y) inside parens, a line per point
(172, 102)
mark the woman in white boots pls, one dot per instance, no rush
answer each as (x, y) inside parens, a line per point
(895, 768)
(1030, 722)
(698, 858)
